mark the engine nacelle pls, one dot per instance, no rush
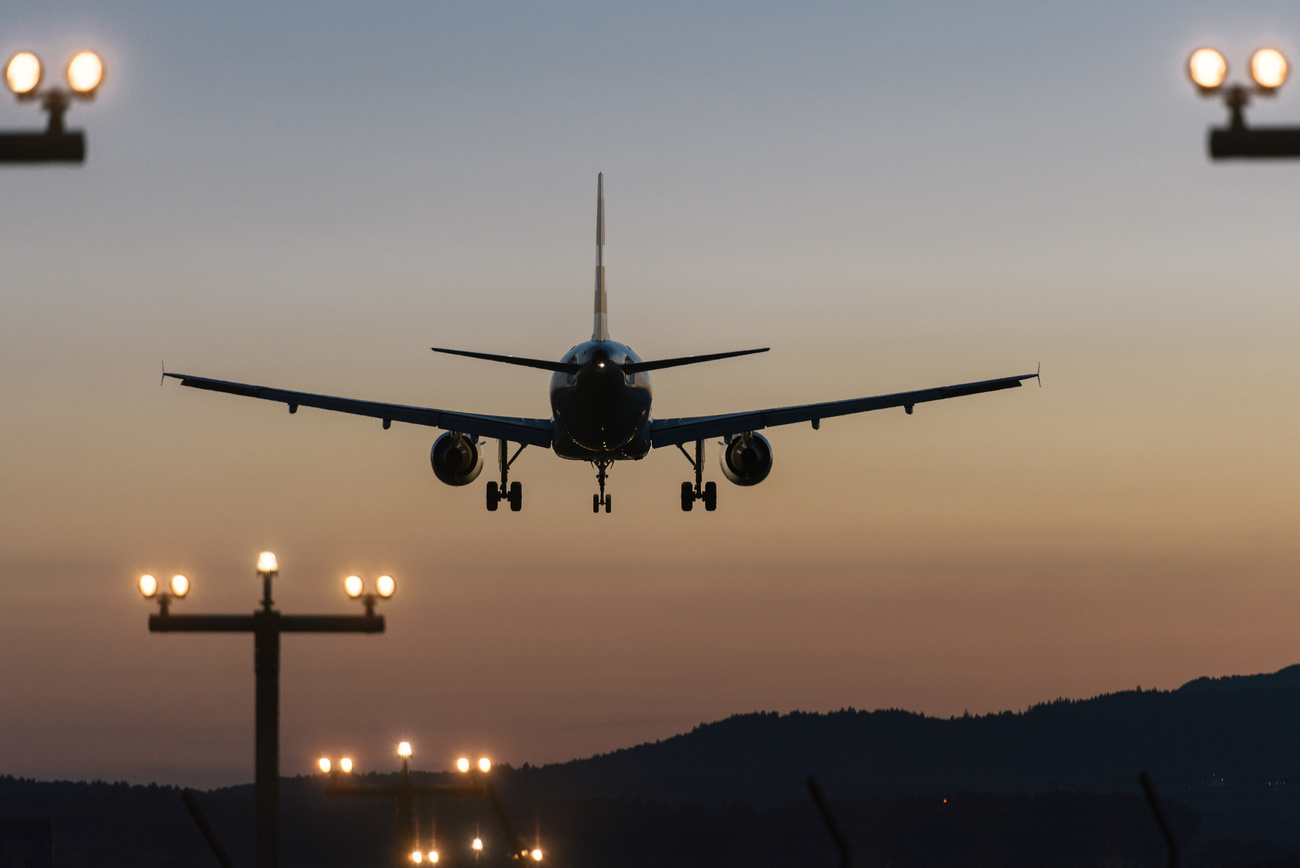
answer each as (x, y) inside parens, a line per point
(456, 459)
(746, 458)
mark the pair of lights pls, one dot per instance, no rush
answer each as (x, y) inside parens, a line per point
(180, 586)
(385, 586)
(484, 764)
(345, 765)
(23, 74)
(1208, 69)
(417, 857)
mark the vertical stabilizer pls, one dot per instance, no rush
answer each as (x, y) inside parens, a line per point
(600, 328)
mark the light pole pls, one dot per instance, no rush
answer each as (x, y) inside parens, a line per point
(1208, 70)
(266, 624)
(23, 74)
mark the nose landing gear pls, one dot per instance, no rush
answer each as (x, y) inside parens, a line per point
(510, 491)
(705, 491)
(602, 499)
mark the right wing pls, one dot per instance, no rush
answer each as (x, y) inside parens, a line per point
(534, 432)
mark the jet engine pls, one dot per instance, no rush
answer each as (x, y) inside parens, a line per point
(456, 459)
(746, 458)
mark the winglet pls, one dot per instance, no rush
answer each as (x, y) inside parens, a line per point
(162, 373)
(600, 327)
(1038, 375)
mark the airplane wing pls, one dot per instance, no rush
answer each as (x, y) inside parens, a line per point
(534, 432)
(669, 432)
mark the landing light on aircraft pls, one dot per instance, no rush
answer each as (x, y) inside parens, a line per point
(1208, 69)
(1269, 69)
(148, 586)
(23, 74)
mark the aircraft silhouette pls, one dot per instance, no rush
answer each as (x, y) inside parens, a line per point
(600, 404)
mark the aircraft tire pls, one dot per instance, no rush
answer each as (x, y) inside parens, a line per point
(516, 496)
(595, 503)
(609, 503)
(688, 497)
(710, 496)
(493, 496)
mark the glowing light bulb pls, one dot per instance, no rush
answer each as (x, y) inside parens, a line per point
(433, 855)
(353, 586)
(1269, 68)
(404, 750)
(180, 586)
(85, 73)
(462, 763)
(478, 844)
(325, 764)
(346, 765)
(148, 585)
(485, 764)
(267, 564)
(23, 73)
(417, 857)
(537, 854)
(1207, 68)
(385, 586)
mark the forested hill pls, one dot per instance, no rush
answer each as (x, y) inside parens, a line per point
(1239, 731)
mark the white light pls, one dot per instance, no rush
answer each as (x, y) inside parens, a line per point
(404, 750)
(266, 563)
(1269, 68)
(148, 585)
(1207, 68)
(537, 854)
(85, 73)
(180, 586)
(433, 855)
(346, 765)
(417, 857)
(325, 764)
(462, 763)
(478, 844)
(23, 73)
(485, 764)
(385, 586)
(353, 586)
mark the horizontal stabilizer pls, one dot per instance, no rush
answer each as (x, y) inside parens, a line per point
(544, 364)
(638, 367)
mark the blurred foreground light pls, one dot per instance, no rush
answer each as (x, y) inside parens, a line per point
(325, 764)
(85, 73)
(1207, 68)
(1269, 68)
(180, 585)
(417, 857)
(462, 764)
(346, 765)
(353, 586)
(148, 585)
(485, 764)
(23, 73)
(478, 844)
(404, 750)
(385, 586)
(267, 564)
(537, 854)
(433, 855)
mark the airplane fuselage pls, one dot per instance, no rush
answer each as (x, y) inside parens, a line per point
(600, 412)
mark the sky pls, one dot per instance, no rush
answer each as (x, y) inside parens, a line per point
(890, 196)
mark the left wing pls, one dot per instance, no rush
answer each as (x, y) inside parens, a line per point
(534, 432)
(669, 432)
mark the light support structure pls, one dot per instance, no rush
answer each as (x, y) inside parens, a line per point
(266, 624)
(406, 791)
(1269, 68)
(23, 74)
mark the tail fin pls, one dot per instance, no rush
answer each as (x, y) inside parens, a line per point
(600, 328)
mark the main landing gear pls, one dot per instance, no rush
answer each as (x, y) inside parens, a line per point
(514, 492)
(602, 499)
(705, 491)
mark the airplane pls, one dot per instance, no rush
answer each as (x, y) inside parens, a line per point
(600, 413)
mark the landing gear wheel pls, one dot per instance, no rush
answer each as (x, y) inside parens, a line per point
(493, 497)
(516, 496)
(595, 503)
(688, 497)
(609, 503)
(710, 496)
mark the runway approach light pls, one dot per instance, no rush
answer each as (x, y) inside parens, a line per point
(1208, 69)
(462, 764)
(346, 765)
(417, 857)
(385, 586)
(23, 74)
(180, 586)
(325, 764)
(485, 765)
(85, 73)
(537, 854)
(353, 586)
(478, 844)
(267, 565)
(404, 750)
(1269, 69)
(148, 586)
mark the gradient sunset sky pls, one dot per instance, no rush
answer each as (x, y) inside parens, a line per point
(890, 196)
